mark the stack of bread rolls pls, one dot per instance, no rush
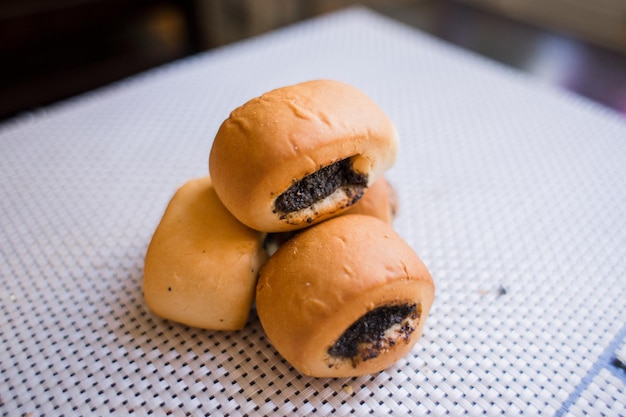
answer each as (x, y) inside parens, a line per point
(295, 218)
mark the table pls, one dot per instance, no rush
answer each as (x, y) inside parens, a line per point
(511, 191)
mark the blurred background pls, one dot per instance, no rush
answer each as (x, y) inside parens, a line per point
(53, 49)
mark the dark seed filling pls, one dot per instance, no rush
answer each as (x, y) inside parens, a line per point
(319, 185)
(366, 337)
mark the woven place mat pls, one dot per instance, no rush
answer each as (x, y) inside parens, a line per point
(512, 192)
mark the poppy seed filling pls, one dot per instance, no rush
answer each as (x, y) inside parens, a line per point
(368, 336)
(319, 185)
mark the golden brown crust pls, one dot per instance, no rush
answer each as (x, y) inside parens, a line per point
(276, 139)
(202, 264)
(325, 278)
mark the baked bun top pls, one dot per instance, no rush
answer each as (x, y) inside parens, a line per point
(202, 264)
(322, 281)
(273, 141)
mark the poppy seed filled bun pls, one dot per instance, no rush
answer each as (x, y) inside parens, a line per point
(300, 154)
(345, 297)
(202, 264)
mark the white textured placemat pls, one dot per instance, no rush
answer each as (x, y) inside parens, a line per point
(512, 192)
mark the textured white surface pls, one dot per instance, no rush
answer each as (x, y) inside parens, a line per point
(512, 192)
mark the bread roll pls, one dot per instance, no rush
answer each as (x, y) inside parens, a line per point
(300, 154)
(345, 297)
(202, 264)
